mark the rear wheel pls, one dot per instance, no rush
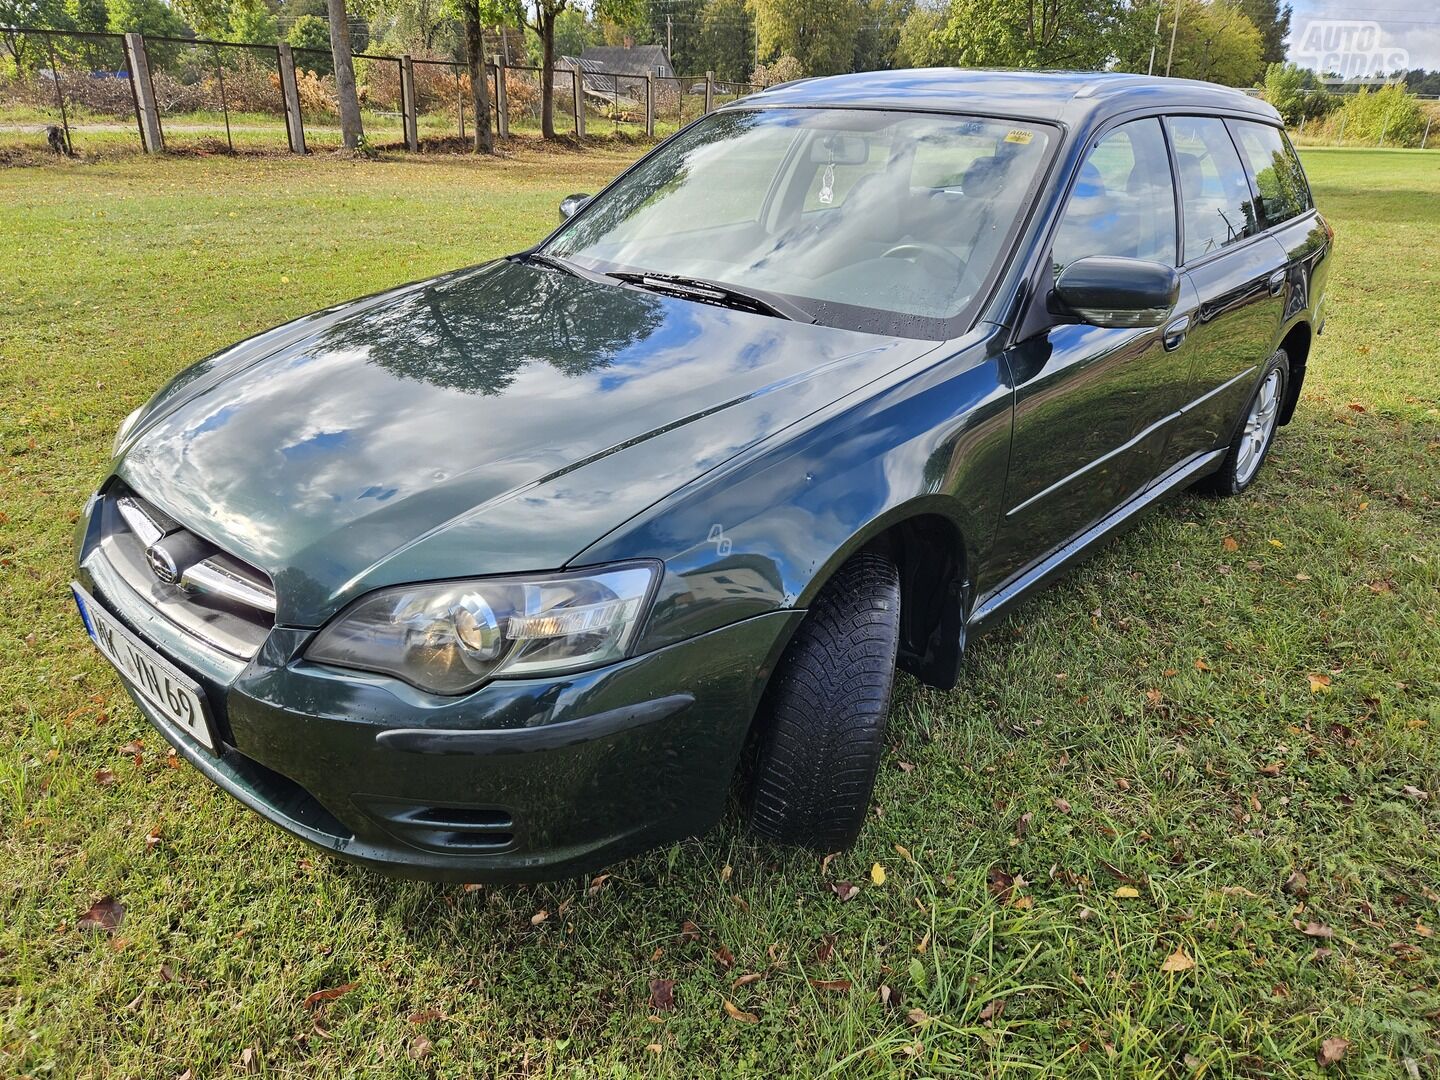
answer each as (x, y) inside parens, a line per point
(1252, 442)
(822, 723)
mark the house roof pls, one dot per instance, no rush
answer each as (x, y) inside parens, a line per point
(635, 60)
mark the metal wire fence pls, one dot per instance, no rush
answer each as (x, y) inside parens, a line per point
(75, 91)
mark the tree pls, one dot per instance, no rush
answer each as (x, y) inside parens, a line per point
(919, 45)
(313, 33)
(42, 14)
(877, 42)
(540, 16)
(818, 33)
(479, 80)
(574, 32)
(351, 131)
(726, 31)
(1216, 42)
(1272, 19)
(91, 17)
(1029, 33)
(252, 22)
(1296, 93)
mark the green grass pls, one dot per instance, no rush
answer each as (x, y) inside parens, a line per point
(1132, 713)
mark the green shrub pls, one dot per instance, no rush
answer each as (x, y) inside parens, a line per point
(1390, 114)
(1296, 93)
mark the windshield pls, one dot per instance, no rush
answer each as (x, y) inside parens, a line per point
(882, 221)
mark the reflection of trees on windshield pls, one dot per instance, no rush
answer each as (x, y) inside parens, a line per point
(474, 333)
(665, 172)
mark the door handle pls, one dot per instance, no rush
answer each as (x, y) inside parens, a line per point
(1276, 282)
(1175, 333)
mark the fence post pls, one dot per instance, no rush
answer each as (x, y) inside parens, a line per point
(650, 105)
(290, 90)
(709, 92)
(1385, 127)
(151, 136)
(579, 91)
(1426, 137)
(1340, 137)
(502, 101)
(407, 102)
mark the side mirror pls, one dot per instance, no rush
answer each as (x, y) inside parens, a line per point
(571, 204)
(1106, 290)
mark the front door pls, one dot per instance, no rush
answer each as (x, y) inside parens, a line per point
(1087, 397)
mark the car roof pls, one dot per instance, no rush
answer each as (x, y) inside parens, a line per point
(1070, 97)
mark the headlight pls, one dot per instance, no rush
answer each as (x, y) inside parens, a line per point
(125, 426)
(450, 637)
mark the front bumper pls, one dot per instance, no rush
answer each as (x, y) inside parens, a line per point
(522, 780)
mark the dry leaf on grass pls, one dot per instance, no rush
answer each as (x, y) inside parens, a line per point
(1127, 892)
(104, 915)
(831, 984)
(877, 874)
(725, 958)
(539, 917)
(419, 1048)
(845, 890)
(746, 980)
(662, 995)
(1179, 960)
(1318, 683)
(321, 996)
(1332, 1050)
(736, 1013)
(1314, 929)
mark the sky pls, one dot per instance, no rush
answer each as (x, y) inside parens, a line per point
(1409, 25)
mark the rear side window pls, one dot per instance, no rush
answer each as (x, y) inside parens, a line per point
(1123, 202)
(1274, 169)
(1213, 186)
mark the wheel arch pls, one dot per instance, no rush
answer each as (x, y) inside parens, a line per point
(1296, 343)
(930, 551)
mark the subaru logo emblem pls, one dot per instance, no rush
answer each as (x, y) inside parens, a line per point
(161, 564)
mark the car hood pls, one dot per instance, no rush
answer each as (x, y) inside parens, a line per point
(493, 420)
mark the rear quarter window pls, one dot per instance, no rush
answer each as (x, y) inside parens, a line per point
(1274, 169)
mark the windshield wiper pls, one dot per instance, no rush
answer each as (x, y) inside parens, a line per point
(712, 292)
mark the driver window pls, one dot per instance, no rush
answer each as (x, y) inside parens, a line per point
(1123, 202)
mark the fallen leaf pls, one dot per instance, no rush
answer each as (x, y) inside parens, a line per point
(726, 872)
(725, 958)
(1179, 960)
(539, 917)
(1413, 792)
(1297, 885)
(917, 1017)
(888, 997)
(924, 943)
(1023, 903)
(1319, 683)
(992, 1010)
(1332, 1050)
(1062, 805)
(904, 853)
(877, 874)
(1237, 890)
(914, 1049)
(831, 984)
(1423, 930)
(596, 884)
(1122, 784)
(104, 777)
(1276, 544)
(105, 915)
(1127, 892)
(1201, 665)
(1022, 824)
(654, 1048)
(1314, 929)
(249, 1060)
(172, 759)
(1230, 544)
(425, 1016)
(662, 995)
(825, 863)
(331, 994)
(736, 1013)
(418, 1049)
(1154, 697)
(746, 980)
(844, 890)
(825, 949)
(689, 931)
(1273, 769)
(905, 766)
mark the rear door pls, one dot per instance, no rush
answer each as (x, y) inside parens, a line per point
(1239, 276)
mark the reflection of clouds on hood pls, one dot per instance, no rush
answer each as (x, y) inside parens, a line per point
(323, 460)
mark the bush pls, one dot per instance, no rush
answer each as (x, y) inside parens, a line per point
(1296, 93)
(784, 69)
(313, 32)
(1390, 114)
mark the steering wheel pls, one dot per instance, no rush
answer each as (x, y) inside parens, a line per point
(941, 260)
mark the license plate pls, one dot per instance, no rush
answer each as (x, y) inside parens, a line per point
(175, 696)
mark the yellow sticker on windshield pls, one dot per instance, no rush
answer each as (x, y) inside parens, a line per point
(1016, 135)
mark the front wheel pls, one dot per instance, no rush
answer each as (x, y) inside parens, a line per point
(822, 723)
(1252, 442)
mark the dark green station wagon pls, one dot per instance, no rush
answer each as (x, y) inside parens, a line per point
(505, 574)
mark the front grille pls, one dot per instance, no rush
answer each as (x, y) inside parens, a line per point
(205, 591)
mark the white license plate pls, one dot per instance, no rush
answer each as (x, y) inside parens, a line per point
(176, 697)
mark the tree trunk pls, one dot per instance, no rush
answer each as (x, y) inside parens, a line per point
(479, 80)
(350, 129)
(546, 29)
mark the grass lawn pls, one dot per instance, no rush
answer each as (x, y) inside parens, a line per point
(1235, 695)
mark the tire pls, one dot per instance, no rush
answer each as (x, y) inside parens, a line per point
(1255, 433)
(822, 721)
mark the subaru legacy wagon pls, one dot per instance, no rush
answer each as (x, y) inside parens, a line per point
(509, 573)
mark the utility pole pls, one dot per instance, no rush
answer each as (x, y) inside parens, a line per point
(669, 50)
(1155, 38)
(1174, 29)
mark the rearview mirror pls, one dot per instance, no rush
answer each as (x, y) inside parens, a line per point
(839, 148)
(1106, 290)
(571, 204)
